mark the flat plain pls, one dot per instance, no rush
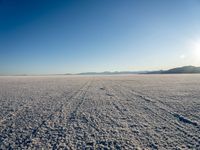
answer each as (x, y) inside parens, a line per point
(100, 112)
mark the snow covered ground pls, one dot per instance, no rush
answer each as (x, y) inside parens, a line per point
(100, 112)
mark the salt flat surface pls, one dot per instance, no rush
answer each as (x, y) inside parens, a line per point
(100, 112)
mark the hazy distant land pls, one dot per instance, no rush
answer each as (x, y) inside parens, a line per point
(178, 70)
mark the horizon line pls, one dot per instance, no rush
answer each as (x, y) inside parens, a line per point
(95, 72)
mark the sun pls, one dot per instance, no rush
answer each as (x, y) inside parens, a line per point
(195, 49)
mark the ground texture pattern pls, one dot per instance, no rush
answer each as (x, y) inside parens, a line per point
(102, 112)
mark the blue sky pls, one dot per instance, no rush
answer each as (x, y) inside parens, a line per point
(50, 36)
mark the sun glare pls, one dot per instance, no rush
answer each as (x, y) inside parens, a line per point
(195, 49)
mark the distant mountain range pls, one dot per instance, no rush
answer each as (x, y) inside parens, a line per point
(111, 73)
(179, 70)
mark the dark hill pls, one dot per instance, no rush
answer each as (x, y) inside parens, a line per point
(185, 69)
(179, 70)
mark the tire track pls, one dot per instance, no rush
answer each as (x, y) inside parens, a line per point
(87, 122)
(175, 114)
(28, 139)
(136, 142)
(61, 126)
(161, 105)
(60, 110)
(173, 124)
(72, 117)
(150, 140)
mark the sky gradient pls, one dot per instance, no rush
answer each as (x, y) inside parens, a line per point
(53, 37)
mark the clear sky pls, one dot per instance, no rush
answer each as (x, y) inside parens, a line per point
(57, 36)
